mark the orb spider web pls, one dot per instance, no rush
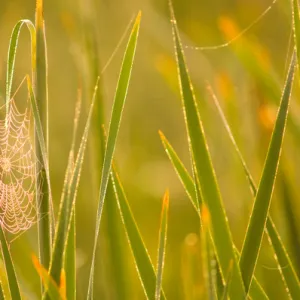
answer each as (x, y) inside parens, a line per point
(18, 165)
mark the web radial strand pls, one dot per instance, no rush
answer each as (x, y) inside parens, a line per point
(18, 165)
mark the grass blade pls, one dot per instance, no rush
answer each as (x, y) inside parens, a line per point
(10, 270)
(285, 266)
(256, 291)
(142, 260)
(39, 131)
(115, 121)
(43, 195)
(262, 202)
(68, 200)
(2, 297)
(13, 45)
(48, 282)
(296, 26)
(162, 244)
(181, 171)
(228, 281)
(221, 235)
(290, 218)
(70, 260)
(70, 251)
(207, 256)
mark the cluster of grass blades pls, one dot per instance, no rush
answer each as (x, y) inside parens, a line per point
(56, 260)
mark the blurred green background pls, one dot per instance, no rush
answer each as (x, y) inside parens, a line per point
(247, 76)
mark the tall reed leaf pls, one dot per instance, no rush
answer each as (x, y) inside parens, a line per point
(162, 244)
(118, 105)
(142, 260)
(9, 266)
(262, 202)
(43, 195)
(221, 235)
(68, 200)
(256, 291)
(283, 259)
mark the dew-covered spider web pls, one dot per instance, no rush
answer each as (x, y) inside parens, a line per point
(18, 165)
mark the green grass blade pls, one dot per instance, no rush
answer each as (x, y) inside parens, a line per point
(115, 121)
(43, 196)
(49, 284)
(112, 226)
(221, 235)
(39, 131)
(70, 251)
(68, 200)
(256, 291)
(286, 268)
(283, 259)
(12, 50)
(9, 266)
(162, 245)
(227, 283)
(296, 26)
(262, 202)
(231, 137)
(181, 171)
(209, 274)
(291, 219)
(2, 297)
(70, 260)
(142, 259)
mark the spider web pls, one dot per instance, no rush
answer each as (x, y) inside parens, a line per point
(18, 165)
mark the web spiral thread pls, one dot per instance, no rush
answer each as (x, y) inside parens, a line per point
(18, 165)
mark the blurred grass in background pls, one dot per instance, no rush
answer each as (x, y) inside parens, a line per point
(247, 76)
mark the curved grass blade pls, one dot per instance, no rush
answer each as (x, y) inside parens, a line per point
(262, 202)
(221, 235)
(142, 259)
(162, 244)
(285, 265)
(256, 291)
(68, 200)
(119, 101)
(49, 284)
(12, 50)
(10, 270)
